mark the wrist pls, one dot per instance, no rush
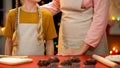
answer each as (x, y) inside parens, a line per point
(84, 48)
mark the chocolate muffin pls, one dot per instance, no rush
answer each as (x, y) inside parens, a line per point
(53, 62)
(90, 63)
(43, 64)
(75, 62)
(66, 64)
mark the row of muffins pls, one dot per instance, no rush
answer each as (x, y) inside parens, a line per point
(52, 62)
(73, 62)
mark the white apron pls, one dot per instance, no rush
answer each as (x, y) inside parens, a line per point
(75, 23)
(28, 43)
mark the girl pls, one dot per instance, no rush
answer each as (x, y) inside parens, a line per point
(26, 29)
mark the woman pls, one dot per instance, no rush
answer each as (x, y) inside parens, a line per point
(83, 25)
(26, 29)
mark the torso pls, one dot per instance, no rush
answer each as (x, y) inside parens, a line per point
(75, 23)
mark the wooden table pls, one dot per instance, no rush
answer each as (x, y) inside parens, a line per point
(37, 58)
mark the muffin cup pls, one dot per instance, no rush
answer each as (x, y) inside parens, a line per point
(53, 65)
(75, 65)
(89, 66)
(68, 66)
(43, 67)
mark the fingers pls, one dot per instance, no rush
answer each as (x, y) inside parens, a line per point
(68, 52)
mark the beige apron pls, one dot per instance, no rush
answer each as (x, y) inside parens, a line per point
(75, 23)
(28, 43)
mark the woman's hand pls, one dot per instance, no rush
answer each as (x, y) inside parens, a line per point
(76, 51)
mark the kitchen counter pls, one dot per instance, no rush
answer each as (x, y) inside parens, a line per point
(37, 58)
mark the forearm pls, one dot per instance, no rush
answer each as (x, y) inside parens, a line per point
(8, 46)
(53, 7)
(99, 23)
(49, 47)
